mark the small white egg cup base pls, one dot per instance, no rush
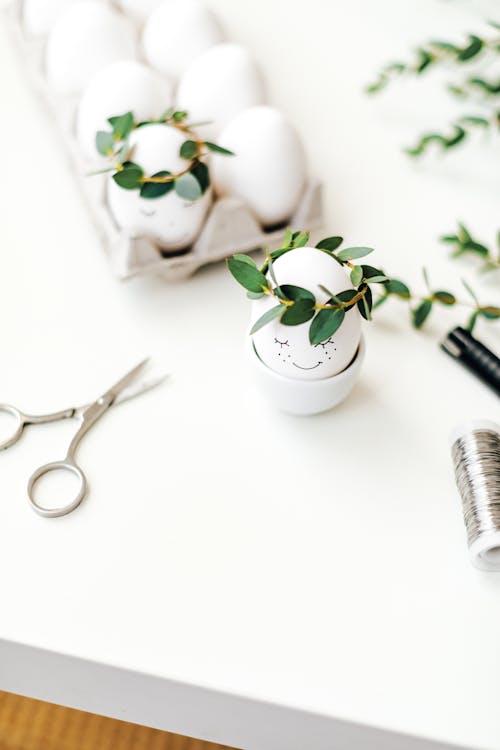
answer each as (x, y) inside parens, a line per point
(304, 397)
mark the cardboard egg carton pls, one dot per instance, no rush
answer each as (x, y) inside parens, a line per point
(230, 226)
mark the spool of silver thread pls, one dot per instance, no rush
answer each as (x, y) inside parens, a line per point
(476, 458)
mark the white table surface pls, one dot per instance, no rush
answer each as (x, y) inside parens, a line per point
(237, 574)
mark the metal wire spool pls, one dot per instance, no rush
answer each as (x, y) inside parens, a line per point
(476, 458)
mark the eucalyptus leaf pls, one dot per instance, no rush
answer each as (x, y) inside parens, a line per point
(188, 187)
(445, 298)
(156, 189)
(370, 272)
(350, 253)
(356, 275)
(179, 116)
(473, 48)
(301, 311)
(325, 324)
(218, 149)
(490, 312)
(255, 295)
(394, 286)
(130, 177)
(296, 293)
(472, 321)
(421, 313)
(247, 275)
(122, 125)
(104, 142)
(269, 315)
(346, 296)
(330, 243)
(245, 259)
(188, 149)
(300, 239)
(365, 303)
(200, 172)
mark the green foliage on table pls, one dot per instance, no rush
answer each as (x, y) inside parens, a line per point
(482, 90)
(296, 305)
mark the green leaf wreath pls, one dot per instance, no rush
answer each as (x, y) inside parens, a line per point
(190, 183)
(296, 305)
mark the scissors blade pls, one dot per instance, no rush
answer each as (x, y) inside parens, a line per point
(142, 387)
(112, 393)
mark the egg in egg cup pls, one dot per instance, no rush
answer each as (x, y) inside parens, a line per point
(305, 345)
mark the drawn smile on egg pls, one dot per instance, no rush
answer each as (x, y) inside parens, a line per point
(147, 213)
(307, 368)
(323, 345)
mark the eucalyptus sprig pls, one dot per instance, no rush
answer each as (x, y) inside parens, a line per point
(296, 305)
(463, 243)
(421, 306)
(460, 130)
(189, 183)
(435, 53)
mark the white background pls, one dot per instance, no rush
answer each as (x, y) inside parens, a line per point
(317, 562)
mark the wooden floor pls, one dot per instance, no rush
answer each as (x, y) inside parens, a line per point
(27, 724)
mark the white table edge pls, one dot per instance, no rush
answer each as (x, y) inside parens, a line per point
(184, 708)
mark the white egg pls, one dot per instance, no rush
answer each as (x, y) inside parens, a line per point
(139, 10)
(124, 86)
(176, 33)
(39, 16)
(172, 222)
(286, 349)
(218, 85)
(268, 171)
(87, 36)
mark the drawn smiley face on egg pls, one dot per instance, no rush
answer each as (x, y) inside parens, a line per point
(286, 349)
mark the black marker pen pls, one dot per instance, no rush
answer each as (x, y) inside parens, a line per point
(462, 346)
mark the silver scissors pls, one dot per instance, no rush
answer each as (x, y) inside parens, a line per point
(88, 416)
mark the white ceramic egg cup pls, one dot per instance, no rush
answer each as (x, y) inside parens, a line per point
(304, 397)
(229, 227)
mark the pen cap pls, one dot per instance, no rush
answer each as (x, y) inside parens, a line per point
(462, 346)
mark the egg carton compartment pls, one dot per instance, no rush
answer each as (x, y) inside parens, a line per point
(230, 226)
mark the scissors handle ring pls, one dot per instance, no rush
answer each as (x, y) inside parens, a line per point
(18, 428)
(66, 465)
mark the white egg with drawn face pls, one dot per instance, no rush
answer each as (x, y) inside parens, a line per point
(176, 32)
(86, 37)
(123, 86)
(172, 222)
(286, 349)
(219, 84)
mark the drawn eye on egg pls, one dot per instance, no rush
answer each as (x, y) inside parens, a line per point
(324, 344)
